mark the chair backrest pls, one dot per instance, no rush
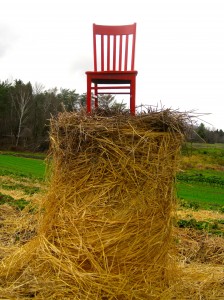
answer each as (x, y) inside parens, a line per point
(114, 47)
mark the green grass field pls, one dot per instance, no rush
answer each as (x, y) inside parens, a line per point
(22, 176)
(22, 167)
(201, 181)
(196, 195)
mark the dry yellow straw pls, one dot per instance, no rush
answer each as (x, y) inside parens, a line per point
(106, 228)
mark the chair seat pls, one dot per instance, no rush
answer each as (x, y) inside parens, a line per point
(111, 77)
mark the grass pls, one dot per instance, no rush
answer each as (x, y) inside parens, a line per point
(212, 226)
(203, 155)
(22, 167)
(18, 203)
(200, 196)
(29, 190)
(35, 155)
(22, 177)
(206, 146)
(200, 184)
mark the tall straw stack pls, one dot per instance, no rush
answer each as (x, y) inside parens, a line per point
(106, 225)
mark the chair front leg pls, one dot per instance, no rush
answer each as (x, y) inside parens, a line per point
(132, 96)
(88, 95)
(96, 95)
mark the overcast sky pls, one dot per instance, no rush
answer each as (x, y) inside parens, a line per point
(179, 48)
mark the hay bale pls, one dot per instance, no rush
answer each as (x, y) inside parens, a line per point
(106, 230)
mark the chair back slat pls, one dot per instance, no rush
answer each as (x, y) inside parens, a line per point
(120, 53)
(133, 52)
(114, 47)
(108, 52)
(114, 52)
(126, 54)
(102, 52)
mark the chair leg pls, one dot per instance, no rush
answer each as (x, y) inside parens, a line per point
(132, 97)
(88, 95)
(96, 96)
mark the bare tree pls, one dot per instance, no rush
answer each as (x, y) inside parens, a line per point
(38, 88)
(21, 96)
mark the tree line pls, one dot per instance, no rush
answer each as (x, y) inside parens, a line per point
(202, 134)
(25, 112)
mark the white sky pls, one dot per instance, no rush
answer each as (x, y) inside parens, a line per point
(179, 48)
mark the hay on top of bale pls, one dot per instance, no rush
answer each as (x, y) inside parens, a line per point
(106, 228)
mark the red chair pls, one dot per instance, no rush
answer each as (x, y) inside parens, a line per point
(114, 57)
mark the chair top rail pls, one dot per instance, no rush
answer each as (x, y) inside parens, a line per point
(114, 47)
